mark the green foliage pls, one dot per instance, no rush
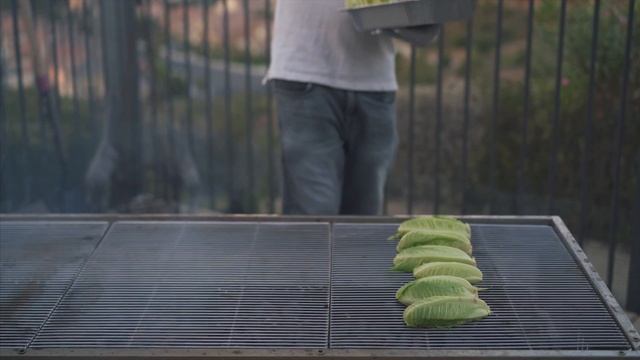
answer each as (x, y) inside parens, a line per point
(573, 113)
(173, 85)
(509, 122)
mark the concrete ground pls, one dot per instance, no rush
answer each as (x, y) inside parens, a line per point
(598, 253)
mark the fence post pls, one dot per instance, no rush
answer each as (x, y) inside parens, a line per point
(411, 130)
(495, 109)
(24, 134)
(4, 130)
(633, 287)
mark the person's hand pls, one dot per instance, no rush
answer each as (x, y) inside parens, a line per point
(415, 35)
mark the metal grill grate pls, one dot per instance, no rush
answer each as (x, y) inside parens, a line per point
(539, 296)
(191, 284)
(38, 261)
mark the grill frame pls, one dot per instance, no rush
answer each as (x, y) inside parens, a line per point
(555, 222)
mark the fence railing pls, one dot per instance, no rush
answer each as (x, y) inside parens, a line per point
(158, 106)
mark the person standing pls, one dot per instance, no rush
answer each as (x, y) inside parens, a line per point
(335, 96)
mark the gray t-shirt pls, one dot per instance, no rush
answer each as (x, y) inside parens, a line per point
(315, 41)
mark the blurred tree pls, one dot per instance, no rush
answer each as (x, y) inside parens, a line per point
(115, 176)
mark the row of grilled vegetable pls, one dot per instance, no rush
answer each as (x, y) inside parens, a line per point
(438, 251)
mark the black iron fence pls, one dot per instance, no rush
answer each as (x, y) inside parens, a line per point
(158, 106)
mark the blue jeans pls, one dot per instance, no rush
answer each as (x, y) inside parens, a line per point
(337, 148)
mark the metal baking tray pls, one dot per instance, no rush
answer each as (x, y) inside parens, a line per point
(409, 13)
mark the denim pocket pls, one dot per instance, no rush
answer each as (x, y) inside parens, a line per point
(292, 87)
(384, 97)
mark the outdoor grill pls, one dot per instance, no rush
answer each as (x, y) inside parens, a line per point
(287, 287)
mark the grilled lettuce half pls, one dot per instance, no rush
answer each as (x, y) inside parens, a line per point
(412, 257)
(468, 272)
(445, 311)
(440, 285)
(445, 238)
(433, 223)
